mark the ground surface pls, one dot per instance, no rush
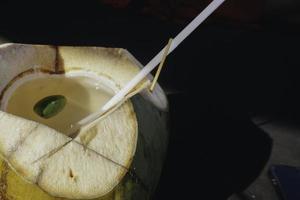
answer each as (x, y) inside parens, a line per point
(286, 151)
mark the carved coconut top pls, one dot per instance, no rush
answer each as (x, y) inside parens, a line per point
(93, 163)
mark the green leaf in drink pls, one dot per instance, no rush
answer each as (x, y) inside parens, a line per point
(50, 106)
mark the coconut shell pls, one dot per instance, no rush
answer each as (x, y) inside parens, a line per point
(149, 110)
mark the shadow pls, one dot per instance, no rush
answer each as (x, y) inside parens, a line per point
(213, 152)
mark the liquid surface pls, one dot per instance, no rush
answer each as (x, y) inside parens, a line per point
(83, 94)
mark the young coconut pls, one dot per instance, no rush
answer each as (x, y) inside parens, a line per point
(44, 90)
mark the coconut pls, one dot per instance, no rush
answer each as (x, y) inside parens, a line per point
(118, 158)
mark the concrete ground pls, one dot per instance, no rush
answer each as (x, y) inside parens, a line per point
(286, 151)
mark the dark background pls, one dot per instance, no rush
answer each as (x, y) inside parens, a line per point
(242, 62)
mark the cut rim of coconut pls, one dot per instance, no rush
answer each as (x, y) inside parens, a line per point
(157, 97)
(117, 166)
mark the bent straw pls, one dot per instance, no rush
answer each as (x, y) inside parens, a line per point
(153, 63)
(161, 65)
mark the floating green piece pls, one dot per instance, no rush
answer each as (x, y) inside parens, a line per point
(50, 106)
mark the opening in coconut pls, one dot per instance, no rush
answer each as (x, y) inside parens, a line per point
(38, 147)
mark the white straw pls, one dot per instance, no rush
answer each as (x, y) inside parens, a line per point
(155, 61)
